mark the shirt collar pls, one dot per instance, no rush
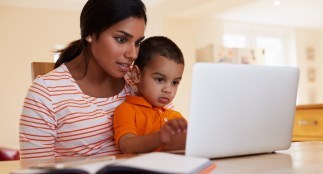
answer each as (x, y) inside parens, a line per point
(141, 101)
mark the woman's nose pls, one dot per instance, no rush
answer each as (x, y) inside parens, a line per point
(132, 52)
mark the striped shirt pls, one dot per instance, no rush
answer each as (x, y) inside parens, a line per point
(59, 120)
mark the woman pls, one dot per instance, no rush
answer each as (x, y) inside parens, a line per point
(68, 112)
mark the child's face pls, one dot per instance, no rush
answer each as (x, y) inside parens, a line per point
(159, 81)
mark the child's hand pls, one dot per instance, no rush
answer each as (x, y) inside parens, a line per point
(171, 128)
(132, 77)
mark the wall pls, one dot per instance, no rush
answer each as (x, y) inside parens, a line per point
(309, 38)
(299, 40)
(182, 33)
(27, 35)
(191, 35)
(320, 69)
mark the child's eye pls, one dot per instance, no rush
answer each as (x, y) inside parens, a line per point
(159, 79)
(175, 83)
(121, 39)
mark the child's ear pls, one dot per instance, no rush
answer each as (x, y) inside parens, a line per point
(133, 77)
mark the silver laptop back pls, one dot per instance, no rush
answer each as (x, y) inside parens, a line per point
(240, 109)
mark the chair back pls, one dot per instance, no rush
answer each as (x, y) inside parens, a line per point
(8, 154)
(41, 68)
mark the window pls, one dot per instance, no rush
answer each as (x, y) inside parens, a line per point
(234, 41)
(277, 43)
(273, 50)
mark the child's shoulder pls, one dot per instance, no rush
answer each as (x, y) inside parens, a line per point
(174, 114)
(124, 107)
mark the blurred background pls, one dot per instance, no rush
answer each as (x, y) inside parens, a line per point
(263, 32)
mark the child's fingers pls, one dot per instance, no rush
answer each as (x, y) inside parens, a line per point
(173, 125)
(170, 128)
(182, 124)
(177, 125)
(166, 133)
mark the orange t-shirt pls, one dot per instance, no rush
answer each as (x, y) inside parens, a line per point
(137, 116)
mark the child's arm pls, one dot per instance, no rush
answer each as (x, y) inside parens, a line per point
(131, 143)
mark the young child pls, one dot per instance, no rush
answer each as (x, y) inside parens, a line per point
(143, 123)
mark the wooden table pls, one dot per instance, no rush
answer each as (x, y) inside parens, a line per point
(301, 158)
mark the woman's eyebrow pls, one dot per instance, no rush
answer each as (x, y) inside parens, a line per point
(125, 33)
(130, 35)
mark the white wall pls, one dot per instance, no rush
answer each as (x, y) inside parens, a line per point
(209, 31)
(27, 35)
(182, 33)
(309, 38)
(320, 69)
(191, 35)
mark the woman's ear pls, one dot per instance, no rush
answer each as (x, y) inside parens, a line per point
(133, 77)
(88, 38)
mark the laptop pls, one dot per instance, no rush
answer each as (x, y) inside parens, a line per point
(240, 109)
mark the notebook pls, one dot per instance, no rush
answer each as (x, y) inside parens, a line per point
(154, 162)
(240, 109)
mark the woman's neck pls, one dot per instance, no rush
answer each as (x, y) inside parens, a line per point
(92, 80)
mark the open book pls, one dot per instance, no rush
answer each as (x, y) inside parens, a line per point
(155, 162)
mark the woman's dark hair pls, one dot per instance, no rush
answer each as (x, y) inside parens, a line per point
(158, 45)
(96, 17)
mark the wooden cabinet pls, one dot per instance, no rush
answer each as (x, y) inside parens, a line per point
(308, 123)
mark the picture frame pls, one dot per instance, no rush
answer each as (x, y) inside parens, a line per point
(312, 94)
(311, 74)
(310, 53)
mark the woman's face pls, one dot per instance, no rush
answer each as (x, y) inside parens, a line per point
(117, 47)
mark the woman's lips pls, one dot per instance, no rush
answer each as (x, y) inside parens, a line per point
(124, 66)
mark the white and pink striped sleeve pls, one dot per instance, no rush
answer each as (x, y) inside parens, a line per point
(37, 123)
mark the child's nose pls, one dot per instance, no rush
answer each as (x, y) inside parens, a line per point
(167, 88)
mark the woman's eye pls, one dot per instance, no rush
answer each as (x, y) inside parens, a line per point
(121, 39)
(138, 43)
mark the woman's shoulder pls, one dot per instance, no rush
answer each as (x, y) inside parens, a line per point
(58, 74)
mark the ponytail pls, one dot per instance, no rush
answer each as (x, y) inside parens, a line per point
(70, 52)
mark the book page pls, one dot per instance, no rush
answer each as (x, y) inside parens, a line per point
(166, 163)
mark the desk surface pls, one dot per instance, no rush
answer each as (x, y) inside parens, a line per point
(302, 157)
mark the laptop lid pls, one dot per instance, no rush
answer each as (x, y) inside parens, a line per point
(240, 109)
